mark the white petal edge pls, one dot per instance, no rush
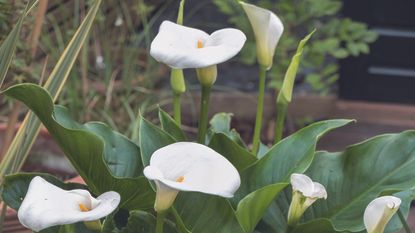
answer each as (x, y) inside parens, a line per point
(176, 46)
(380, 208)
(203, 169)
(303, 184)
(46, 205)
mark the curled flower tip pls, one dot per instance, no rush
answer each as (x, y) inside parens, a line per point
(188, 166)
(379, 212)
(305, 193)
(46, 205)
(268, 29)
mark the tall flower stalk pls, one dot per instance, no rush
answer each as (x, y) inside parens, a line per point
(207, 77)
(177, 78)
(268, 29)
(259, 110)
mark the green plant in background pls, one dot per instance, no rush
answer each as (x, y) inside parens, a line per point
(337, 38)
(114, 78)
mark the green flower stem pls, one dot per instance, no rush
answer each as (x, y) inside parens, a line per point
(403, 221)
(178, 86)
(203, 118)
(279, 126)
(260, 110)
(177, 115)
(160, 222)
(94, 226)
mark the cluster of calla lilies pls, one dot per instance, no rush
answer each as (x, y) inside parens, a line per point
(189, 166)
(46, 205)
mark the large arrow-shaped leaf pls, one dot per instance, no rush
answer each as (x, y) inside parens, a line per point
(293, 154)
(384, 164)
(105, 159)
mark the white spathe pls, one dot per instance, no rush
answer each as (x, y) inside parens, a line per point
(178, 46)
(47, 205)
(305, 193)
(188, 166)
(379, 212)
(309, 189)
(268, 29)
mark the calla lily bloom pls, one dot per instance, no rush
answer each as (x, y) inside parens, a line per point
(188, 166)
(46, 205)
(379, 212)
(183, 47)
(305, 193)
(268, 29)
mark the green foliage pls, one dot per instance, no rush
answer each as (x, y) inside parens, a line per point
(9, 44)
(336, 38)
(382, 165)
(250, 210)
(168, 124)
(286, 91)
(17, 152)
(138, 222)
(114, 77)
(221, 123)
(379, 166)
(105, 159)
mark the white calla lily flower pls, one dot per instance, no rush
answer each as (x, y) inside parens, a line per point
(183, 47)
(46, 205)
(188, 166)
(379, 212)
(305, 193)
(268, 29)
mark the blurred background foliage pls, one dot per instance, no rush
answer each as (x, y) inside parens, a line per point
(114, 78)
(336, 38)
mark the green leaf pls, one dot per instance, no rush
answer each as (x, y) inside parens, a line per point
(251, 209)
(138, 222)
(169, 125)
(263, 150)
(152, 138)
(237, 155)
(9, 44)
(316, 225)
(72, 228)
(340, 53)
(204, 213)
(285, 94)
(221, 123)
(105, 159)
(353, 178)
(293, 154)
